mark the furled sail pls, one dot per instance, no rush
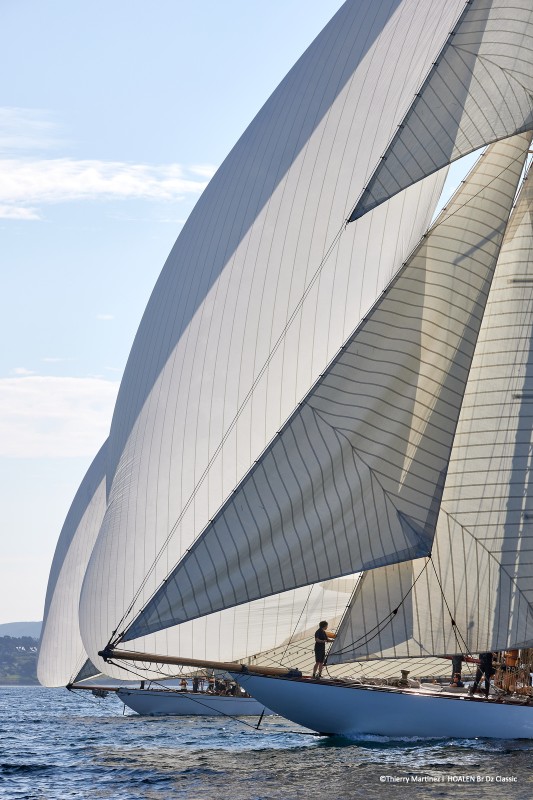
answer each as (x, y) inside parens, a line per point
(262, 287)
(479, 90)
(61, 651)
(354, 479)
(481, 569)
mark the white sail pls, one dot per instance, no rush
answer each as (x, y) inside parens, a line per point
(298, 653)
(481, 572)
(479, 90)
(61, 651)
(250, 306)
(354, 480)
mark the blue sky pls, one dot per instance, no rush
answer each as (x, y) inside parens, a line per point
(114, 117)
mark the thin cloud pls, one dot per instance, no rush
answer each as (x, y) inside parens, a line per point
(205, 170)
(22, 371)
(27, 183)
(27, 129)
(105, 316)
(49, 417)
(14, 212)
(30, 179)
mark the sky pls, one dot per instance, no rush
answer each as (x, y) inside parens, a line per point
(114, 117)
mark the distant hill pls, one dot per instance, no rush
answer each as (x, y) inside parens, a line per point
(18, 661)
(16, 629)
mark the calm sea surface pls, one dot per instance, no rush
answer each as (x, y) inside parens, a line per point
(55, 745)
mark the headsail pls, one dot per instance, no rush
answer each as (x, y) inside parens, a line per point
(253, 301)
(61, 651)
(354, 479)
(481, 572)
(479, 90)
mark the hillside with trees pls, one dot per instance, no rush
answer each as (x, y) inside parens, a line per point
(18, 661)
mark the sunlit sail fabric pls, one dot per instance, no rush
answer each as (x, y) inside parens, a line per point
(237, 329)
(482, 569)
(354, 479)
(479, 90)
(61, 651)
(251, 628)
(299, 654)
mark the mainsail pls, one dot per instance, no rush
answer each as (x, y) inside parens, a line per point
(475, 594)
(263, 286)
(479, 90)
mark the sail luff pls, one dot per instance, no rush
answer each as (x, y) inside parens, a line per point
(323, 500)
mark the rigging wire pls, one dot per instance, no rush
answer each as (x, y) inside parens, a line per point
(230, 428)
(296, 624)
(455, 628)
(196, 700)
(380, 626)
(457, 633)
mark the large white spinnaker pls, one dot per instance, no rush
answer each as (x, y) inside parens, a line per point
(61, 651)
(481, 572)
(257, 294)
(479, 90)
(354, 480)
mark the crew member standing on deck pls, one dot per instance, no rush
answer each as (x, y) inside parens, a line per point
(486, 669)
(321, 637)
(457, 665)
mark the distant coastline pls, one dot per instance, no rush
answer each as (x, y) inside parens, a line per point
(19, 650)
(17, 629)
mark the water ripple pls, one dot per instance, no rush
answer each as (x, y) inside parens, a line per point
(59, 746)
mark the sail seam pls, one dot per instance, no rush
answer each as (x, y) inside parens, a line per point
(492, 557)
(381, 625)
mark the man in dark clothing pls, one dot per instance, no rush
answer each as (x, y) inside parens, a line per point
(321, 637)
(457, 666)
(485, 668)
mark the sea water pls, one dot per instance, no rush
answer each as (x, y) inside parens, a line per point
(56, 744)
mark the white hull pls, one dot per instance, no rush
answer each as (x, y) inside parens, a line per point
(352, 711)
(159, 702)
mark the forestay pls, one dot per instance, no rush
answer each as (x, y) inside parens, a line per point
(481, 571)
(479, 90)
